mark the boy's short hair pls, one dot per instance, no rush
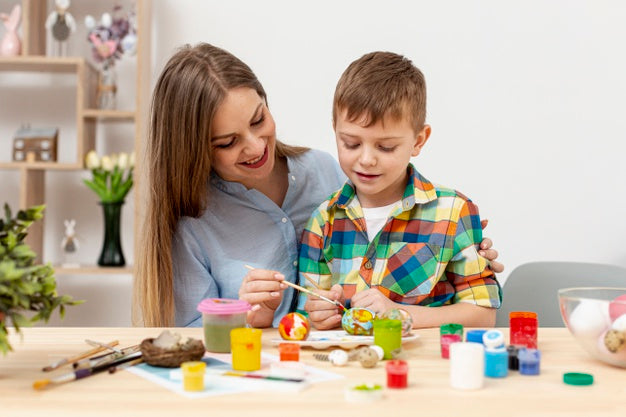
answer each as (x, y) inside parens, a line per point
(381, 84)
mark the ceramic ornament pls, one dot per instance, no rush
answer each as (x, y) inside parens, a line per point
(358, 321)
(294, 326)
(403, 316)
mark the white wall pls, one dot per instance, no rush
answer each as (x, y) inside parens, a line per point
(526, 101)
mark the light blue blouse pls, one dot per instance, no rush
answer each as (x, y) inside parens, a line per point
(242, 226)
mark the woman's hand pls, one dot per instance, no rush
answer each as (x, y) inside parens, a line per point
(322, 314)
(263, 289)
(487, 252)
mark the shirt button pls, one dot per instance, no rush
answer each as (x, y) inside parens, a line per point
(293, 178)
(295, 263)
(368, 265)
(284, 220)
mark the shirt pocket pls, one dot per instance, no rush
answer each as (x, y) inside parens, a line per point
(412, 269)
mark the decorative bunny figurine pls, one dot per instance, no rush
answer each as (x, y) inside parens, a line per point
(61, 23)
(11, 44)
(70, 243)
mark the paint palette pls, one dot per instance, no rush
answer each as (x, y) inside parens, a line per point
(329, 338)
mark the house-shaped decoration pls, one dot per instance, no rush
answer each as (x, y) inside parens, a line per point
(30, 144)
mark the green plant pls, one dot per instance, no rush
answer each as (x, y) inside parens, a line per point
(24, 285)
(112, 175)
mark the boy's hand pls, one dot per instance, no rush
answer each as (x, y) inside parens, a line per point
(487, 252)
(373, 300)
(322, 314)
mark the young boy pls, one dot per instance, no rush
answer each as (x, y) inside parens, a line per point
(389, 238)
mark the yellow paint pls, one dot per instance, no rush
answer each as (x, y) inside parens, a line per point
(193, 375)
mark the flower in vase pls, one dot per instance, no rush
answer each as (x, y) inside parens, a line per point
(112, 175)
(109, 37)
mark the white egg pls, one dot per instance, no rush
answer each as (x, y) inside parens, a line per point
(338, 357)
(590, 318)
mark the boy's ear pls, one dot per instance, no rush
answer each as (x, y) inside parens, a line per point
(420, 140)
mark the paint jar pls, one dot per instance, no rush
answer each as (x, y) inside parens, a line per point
(467, 365)
(446, 340)
(523, 328)
(388, 335)
(513, 360)
(496, 362)
(245, 344)
(475, 335)
(451, 328)
(289, 352)
(219, 317)
(529, 361)
(193, 375)
(397, 374)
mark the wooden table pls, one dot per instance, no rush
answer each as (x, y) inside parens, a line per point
(429, 392)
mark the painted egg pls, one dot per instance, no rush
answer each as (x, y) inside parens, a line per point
(294, 326)
(358, 321)
(403, 316)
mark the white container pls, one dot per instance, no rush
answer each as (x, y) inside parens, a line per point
(467, 365)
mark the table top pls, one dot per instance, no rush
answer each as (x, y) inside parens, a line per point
(429, 392)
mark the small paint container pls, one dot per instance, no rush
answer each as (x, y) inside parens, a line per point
(529, 361)
(363, 393)
(475, 335)
(397, 374)
(493, 339)
(388, 335)
(496, 363)
(467, 365)
(289, 352)
(193, 375)
(219, 317)
(451, 328)
(446, 340)
(523, 328)
(246, 347)
(512, 350)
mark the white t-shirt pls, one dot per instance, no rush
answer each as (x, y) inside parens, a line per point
(376, 217)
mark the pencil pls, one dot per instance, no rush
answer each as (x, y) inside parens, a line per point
(73, 359)
(267, 377)
(307, 291)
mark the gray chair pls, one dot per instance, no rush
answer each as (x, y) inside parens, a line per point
(533, 287)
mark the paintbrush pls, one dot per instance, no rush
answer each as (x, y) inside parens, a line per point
(83, 373)
(73, 359)
(134, 362)
(307, 291)
(104, 345)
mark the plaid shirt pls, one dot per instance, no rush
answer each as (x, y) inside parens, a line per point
(426, 254)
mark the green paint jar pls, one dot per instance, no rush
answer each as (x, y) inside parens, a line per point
(388, 335)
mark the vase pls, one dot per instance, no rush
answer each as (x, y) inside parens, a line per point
(112, 254)
(107, 88)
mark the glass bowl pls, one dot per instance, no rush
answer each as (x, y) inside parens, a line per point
(596, 317)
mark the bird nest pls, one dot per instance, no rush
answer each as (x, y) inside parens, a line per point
(192, 350)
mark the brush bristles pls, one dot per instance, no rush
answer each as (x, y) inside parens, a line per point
(41, 384)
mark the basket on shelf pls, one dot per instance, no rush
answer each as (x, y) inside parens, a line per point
(193, 350)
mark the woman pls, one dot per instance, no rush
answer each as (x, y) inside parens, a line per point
(224, 193)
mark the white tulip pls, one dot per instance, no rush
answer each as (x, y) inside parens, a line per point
(107, 163)
(131, 162)
(90, 22)
(114, 157)
(92, 161)
(106, 20)
(122, 161)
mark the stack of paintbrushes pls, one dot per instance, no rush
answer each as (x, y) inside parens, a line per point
(86, 364)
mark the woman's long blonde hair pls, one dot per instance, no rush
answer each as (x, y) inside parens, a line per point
(178, 162)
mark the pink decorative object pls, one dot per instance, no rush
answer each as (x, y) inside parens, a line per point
(617, 307)
(11, 44)
(294, 326)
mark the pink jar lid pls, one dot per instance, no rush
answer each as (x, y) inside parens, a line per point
(223, 306)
